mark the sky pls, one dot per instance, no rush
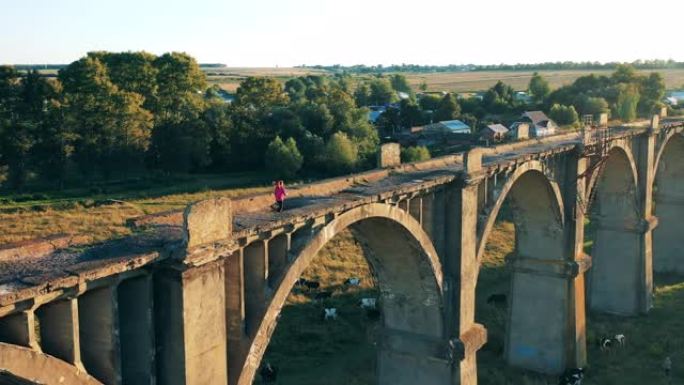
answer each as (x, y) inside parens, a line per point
(268, 33)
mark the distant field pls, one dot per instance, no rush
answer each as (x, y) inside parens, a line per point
(229, 78)
(478, 81)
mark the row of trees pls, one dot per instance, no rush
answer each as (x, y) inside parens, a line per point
(566, 65)
(626, 94)
(111, 114)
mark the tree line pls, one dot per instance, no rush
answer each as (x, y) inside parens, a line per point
(109, 114)
(565, 65)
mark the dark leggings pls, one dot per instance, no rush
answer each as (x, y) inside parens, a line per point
(279, 206)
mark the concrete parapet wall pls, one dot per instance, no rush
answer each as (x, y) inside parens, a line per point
(38, 248)
(390, 155)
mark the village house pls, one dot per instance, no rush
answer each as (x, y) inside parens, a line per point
(494, 132)
(539, 124)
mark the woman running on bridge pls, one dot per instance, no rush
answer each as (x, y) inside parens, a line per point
(280, 194)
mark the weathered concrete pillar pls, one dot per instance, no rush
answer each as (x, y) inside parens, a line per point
(461, 268)
(190, 301)
(428, 214)
(668, 242)
(404, 204)
(439, 220)
(59, 331)
(278, 248)
(191, 325)
(136, 324)
(238, 341)
(648, 222)
(416, 209)
(390, 155)
(256, 282)
(99, 334)
(19, 329)
(576, 336)
(547, 284)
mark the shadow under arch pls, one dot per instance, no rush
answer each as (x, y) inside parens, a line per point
(27, 366)
(668, 198)
(409, 275)
(555, 199)
(537, 298)
(614, 279)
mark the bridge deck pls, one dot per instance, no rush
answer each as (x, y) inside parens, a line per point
(24, 277)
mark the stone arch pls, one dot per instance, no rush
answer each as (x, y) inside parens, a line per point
(613, 280)
(409, 274)
(551, 187)
(616, 148)
(668, 244)
(538, 295)
(38, 368)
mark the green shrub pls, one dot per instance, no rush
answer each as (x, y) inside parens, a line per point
(564, 115)
(415, 154)
(283, 158)
(341, 154)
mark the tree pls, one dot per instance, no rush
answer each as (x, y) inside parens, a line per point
(652, 92)
(627, 102)
(429, 102)
(414, 154)
(410, 114)
(539, 88)
(341, 154)
(448, 109)
(112, 126)
(563, 115)
(362, 95)
(180, 139)
(381, 92)
(589, 105)
(261, 94)
(283, 158)
(399, 83)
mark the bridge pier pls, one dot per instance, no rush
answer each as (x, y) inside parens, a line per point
(19, 329)
(542, 302)
(668, 243)
(99, 333)
(59, 332)
(190, 301)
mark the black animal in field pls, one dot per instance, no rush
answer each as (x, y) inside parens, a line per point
(268, 373)
(497, 300)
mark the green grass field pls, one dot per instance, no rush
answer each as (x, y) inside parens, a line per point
(102, 214)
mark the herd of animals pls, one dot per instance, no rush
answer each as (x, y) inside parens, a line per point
(573, 376)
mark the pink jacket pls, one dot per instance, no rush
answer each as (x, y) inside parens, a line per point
(280, 193)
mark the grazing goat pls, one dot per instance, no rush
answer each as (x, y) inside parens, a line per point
(605, 344)
(368, 303)
(329, 313)
(353, 281)
(620, 339)
(572, 377)
(301, 282)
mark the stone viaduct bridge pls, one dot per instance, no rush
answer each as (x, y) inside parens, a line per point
(193, 297)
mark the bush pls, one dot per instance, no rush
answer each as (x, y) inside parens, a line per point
(564, 115)
(283, 158)
(415, 154)
(341, 154)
